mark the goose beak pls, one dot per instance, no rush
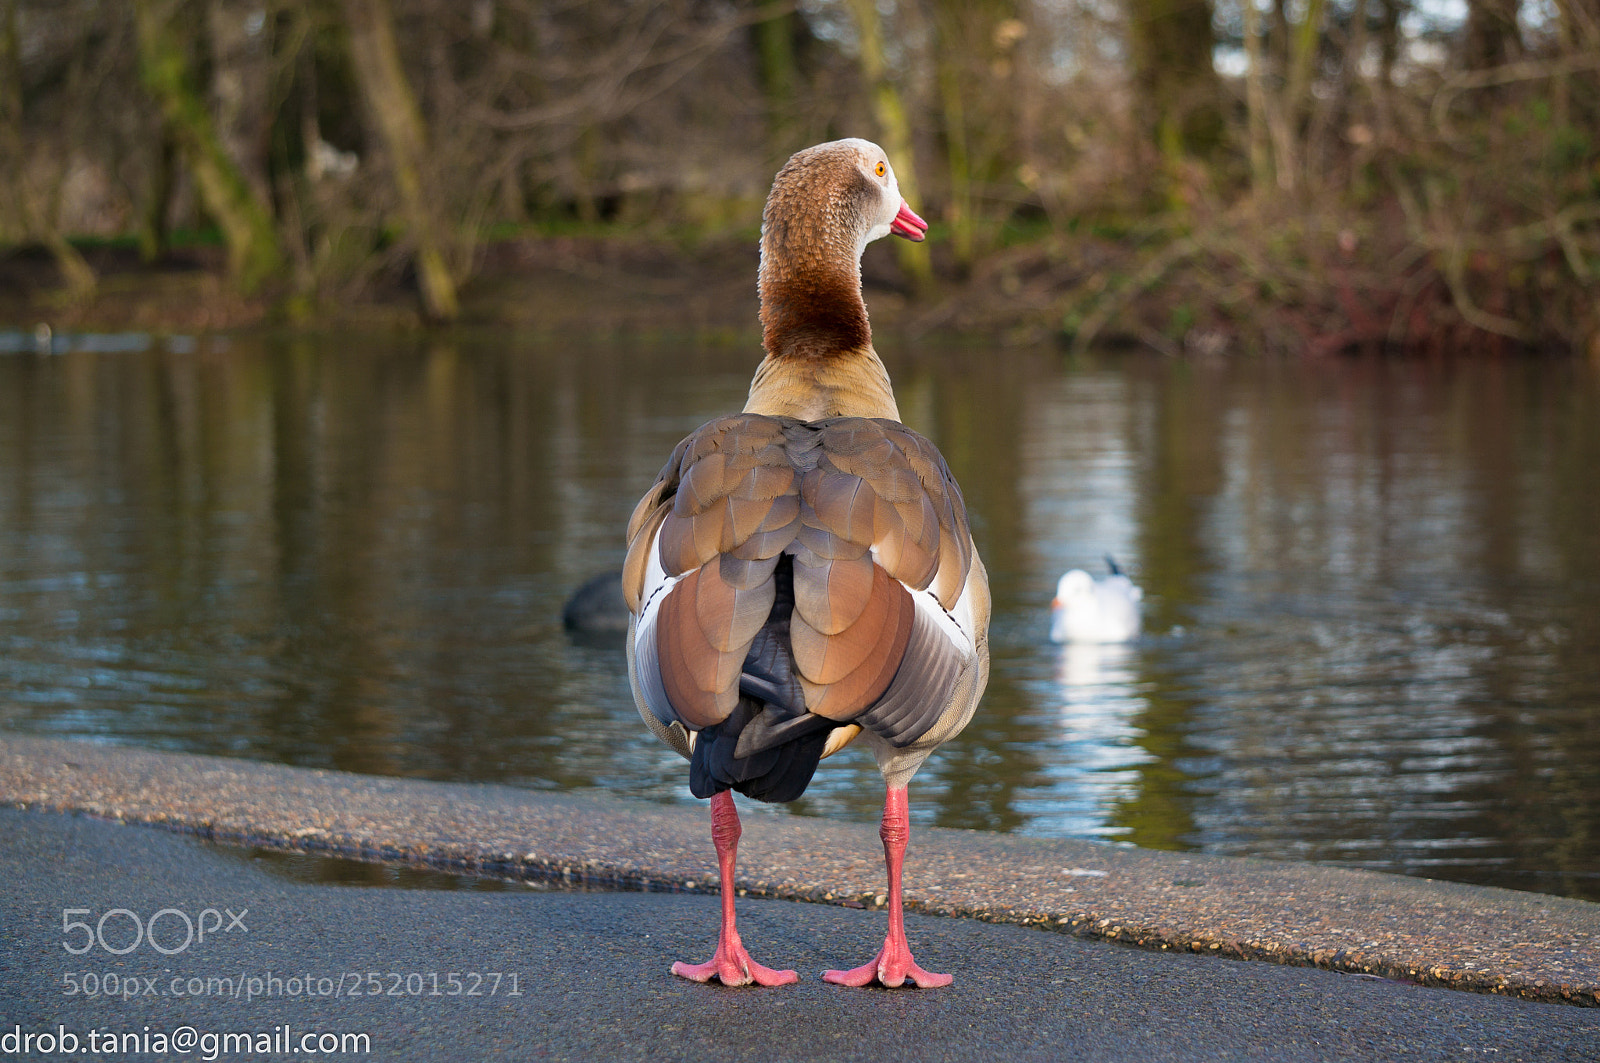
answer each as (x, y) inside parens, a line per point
(907, 224)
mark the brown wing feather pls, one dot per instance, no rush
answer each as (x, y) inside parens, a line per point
(842, 503)
(832, 597)
(885, 625)
(944, 498)
(876, 485)
(919, 525)
(743, 574)
(696, 707)
(825, 658)
(730, 616)
(776, 531)
(744, 489)
(701, 682)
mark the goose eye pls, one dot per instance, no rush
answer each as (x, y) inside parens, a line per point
(880, 169)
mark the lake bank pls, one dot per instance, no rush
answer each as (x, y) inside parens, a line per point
(1198, 295)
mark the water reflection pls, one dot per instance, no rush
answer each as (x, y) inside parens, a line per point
(1098, 768)
(346, 554)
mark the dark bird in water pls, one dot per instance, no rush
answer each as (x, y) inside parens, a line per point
(597, 606)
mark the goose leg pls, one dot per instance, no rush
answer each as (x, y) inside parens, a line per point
(731, 963)
(893, 964)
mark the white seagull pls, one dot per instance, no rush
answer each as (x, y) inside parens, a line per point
(1089, 610)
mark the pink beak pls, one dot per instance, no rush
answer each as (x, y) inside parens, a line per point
(907, 224)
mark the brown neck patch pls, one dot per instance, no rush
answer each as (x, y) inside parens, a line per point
(815, 316)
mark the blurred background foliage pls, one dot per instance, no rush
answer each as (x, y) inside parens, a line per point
(1193, 175)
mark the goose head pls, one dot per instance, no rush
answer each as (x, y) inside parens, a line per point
(839, 196)
(827, 203)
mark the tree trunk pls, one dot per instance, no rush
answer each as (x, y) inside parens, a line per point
(254, 256)
(1389, 41)
(1279, 31)
(894, 130)
(1302, 57)
(1293, 142)
(1492, 37)
(780, 75)
(1580, 23)
(1256, 101)
(241, 78)
(153, 242)
(13, 225)
(1575, 96)
(1171, 42)
(975, 59)
(959, 209)
(20, 219)
(393, 108)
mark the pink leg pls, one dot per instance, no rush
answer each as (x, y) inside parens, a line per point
(731, 963)
(894, 963)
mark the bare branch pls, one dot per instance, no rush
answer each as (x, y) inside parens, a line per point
(1527, 70)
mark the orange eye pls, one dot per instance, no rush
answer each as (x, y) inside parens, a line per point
(881, 169)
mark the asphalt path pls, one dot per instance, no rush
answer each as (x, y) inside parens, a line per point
(583, 975)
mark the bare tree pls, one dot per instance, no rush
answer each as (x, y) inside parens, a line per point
(389, 99)
(1170, 44)
(1089, 162)
(977, 67)
(238, 33)
(780, 73)
(246, 220)
(1491, 38)
(22, 215)
(894, 124)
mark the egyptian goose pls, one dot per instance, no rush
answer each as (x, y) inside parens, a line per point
(1089, 610)
(801, 574)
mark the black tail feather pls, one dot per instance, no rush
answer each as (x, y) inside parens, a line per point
(782, 741)
(778, 774)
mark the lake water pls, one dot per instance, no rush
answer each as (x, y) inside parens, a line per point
(1373, 586)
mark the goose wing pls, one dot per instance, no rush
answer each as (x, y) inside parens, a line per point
(820, 571)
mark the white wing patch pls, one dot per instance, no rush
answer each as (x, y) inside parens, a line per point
(957, 624)
(656, 585)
